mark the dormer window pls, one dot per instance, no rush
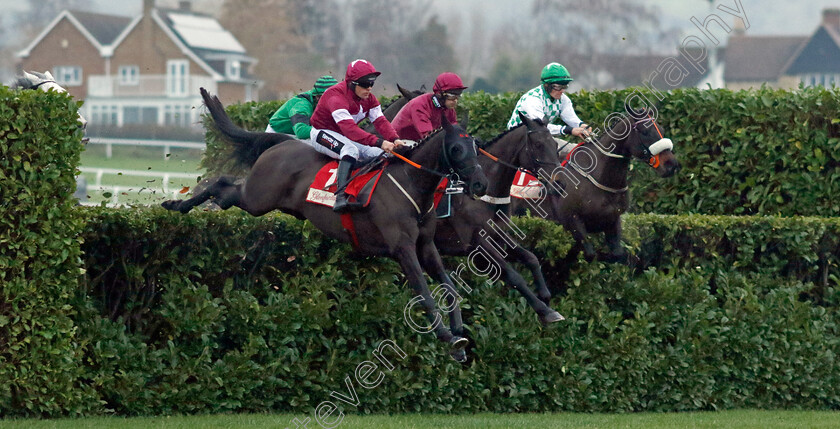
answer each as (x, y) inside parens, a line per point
(234, 69)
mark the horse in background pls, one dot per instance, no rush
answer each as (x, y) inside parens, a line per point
(477, 223)
(391, 111)
(592, 190)
(45, 82)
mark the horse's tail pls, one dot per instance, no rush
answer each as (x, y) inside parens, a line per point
(247, 145)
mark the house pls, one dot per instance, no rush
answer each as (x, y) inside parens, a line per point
(143, 70)
(785, 61)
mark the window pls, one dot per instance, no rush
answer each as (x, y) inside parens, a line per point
(103, 115)
(68, 75)
(828, 80)
(131, 115)
(234, 69)
(178, 115)
(129, 75)
(177, 73)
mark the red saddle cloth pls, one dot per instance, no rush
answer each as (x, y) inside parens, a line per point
(322, 189)
(525, 186)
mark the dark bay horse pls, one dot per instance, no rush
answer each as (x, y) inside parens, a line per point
(398, 222)
(391, 111)
(480, 222)
(593, 187)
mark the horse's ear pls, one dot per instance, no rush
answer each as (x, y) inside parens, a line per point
(465, 119)
(405, 93)
(634, 114)
(49, 75)
(447, 126)
(423, 88)
(527, 121)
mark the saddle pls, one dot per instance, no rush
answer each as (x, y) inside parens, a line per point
(361, 186)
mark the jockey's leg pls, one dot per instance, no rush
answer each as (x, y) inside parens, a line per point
(349, 154)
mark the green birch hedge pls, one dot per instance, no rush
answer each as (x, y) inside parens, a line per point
(221, 312)
(148, 312)
(762, 151)
(40, 256)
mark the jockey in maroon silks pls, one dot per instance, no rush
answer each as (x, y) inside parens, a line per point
(421, 115)
(335, 129)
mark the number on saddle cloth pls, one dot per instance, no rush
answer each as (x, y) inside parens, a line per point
(322, 190)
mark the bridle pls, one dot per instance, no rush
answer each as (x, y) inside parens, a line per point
(455, 184)
(650, 153)
(38, 85)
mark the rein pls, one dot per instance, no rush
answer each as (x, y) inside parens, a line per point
(509, 165)
(416, 165)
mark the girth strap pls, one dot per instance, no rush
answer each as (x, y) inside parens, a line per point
(414, 203)
(595, 182)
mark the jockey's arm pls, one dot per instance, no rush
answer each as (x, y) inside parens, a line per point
(301, 126)
(574, 125)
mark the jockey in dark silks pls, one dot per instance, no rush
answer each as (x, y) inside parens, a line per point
(335, 130)
(421, 115)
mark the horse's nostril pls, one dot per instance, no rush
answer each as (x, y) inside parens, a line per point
(479, 188)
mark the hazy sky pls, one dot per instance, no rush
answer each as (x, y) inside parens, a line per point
(766, 16)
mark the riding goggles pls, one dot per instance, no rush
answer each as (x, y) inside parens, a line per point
(557, 87)
(365, 83)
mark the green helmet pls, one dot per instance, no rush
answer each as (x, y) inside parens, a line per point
(555, 73)
(323, 83)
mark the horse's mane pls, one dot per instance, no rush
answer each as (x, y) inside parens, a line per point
(24, 82)
(506, 132)
(409, 150)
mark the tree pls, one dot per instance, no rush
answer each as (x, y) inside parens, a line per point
(402, 39)
(580, 34)
(271, 31)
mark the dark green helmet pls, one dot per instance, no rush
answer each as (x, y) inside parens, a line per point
(555, 73)
(323, 83)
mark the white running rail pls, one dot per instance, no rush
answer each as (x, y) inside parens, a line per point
(115, 190)
(166, 144)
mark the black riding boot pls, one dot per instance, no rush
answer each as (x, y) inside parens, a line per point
(342, 204)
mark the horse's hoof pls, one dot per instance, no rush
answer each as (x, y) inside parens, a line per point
(552, 317)
(457, 348)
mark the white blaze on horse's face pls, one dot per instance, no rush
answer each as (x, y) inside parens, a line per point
(50, 84)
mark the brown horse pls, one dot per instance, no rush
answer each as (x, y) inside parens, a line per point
(477, 225)
(593, 186)
(398, 223)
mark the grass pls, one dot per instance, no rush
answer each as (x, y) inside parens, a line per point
(138, 189)
(724, 419)
(141, 158)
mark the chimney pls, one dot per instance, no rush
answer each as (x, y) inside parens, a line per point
(739, 27)
(184, 5)
(148, 5)
(831, 18)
